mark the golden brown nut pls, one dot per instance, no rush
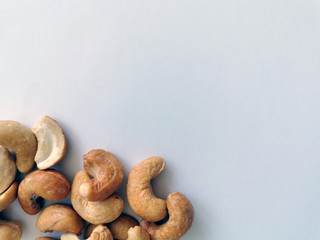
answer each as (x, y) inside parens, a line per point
(8, 169)
(121, 225)
(137, 233)
(8, 196)
(51, 142)
(181, 215)
(139, 191)
(97, 232)
(21, 140)
(10, 230)
(107, 175)
(48, 184)
(59, 218)
(96, 212)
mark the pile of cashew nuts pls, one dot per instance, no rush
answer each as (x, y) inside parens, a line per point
(93, 192)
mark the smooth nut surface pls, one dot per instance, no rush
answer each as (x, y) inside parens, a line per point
(95, 212)
(181, 215)
(107, 175)
(139, 190)
(21, 140)
(48, 184)
(121, 225)
(59, 218)
(8, 196)
(137, 233)
(51, 142)
(8, 169)
(10, 230)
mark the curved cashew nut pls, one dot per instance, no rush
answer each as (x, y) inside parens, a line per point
(137, 233)
(181, 215)
(121, 225)
(139, 191)
(51, 142)
(107, 173)
(99, 232)
(96, 212)
(8, 169)
(48, 184)
(21, 140)
(10, 230)
(8, 196)
(59, 218)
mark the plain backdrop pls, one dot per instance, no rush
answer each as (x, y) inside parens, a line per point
(227, 91)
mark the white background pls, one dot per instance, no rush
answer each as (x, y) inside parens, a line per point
(226, 91)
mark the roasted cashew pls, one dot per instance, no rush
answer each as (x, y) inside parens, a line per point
(107, 175)
(137, 233)
(8, 169)
(121, 225)
(59, 218)
(139, 191)
(181, 215)
(21, 140)
(48, 184)
(99, 232)
(8, 196)
(96, 212)
(51, 142)
(10, 230)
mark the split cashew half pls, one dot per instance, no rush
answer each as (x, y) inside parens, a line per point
(95, 212)
(99, 232)
(8, 169)
(137, 233)
(59, 218)
(48, 184)
(121, 225)
(139, 191)
(181, 215)
(107, 175)
(10, 230)
(21, 140)
(8, 196)
(51, 142)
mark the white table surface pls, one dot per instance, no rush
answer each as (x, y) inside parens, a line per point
(227, 92)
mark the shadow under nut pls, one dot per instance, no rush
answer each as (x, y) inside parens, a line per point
(181, 215)
(95, 212)
(48, 184)
(22, 141)
(139, 190)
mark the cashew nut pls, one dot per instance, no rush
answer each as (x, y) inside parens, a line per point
(137, 233)
(121, 225)
(8, 169)
(99, 232)
(10, 230)
(107, 175)
(51, 142)
(48, 184)
(96, 212)
(8, 196)
(59, 218)
(139, 191)
(21, 140)
(181, 215)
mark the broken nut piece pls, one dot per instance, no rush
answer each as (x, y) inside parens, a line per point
(121, 225)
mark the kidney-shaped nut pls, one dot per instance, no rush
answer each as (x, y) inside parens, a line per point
(8, 169)
(8, 196)
(98, 232)
(21, 140)
(10, 230)
(59, 218)
(137, 233)
(48, 184)
(181, 215)
(139, 191)
(107, 175)
(95, 212)
(51, 142)
(121, 225)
